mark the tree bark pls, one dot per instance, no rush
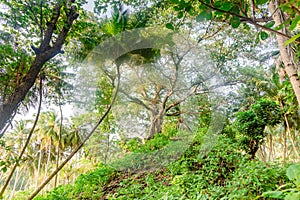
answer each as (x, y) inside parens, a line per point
(156, 122)
(286, 52)
(43, 54)
(271, 157)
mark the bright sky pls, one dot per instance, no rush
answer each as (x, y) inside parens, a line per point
(89, 6)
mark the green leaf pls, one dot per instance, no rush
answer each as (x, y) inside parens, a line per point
(235, 22)
(204, 15)
(188, 8)
(180, 15)
(261, 2)
(263, 35)
(294, 23)
(226, 6)
(279, 27)
(270, 24)
(235, 9)
(169, 26)
(295, 37)
(292, 196)
(176, 8)
(273, 194)
(4, 169)
(293, 173)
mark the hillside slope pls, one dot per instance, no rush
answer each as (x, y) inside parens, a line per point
(223, 173)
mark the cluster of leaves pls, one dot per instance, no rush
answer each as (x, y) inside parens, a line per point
(87, 186)
(292, 8)
(4, 164)
(223, 173)
(153, 154)
(14, 65)
(135, 145)
(251, 123)
(292, 191)
(157, 142)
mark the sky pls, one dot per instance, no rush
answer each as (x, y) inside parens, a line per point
(89, 6)
(30, 114)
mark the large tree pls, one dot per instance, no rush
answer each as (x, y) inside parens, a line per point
(268, 16)
(34, 33)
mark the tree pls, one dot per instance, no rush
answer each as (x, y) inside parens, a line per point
(160, 89)
(283, 14)
(251, 123)
(48, 23)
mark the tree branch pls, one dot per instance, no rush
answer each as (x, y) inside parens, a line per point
(43, 54)
(45, 45)
(245, 19)
(82, 143)
(26, 143)
(192, 91)
(135, 100)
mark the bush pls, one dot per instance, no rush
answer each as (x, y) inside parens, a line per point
(225, 172)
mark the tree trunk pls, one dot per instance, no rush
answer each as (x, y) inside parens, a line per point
(156, 120)
(17, 177)
(25, 145)
(286, 52)
(48, 162)
(271, 157)
(39, 167)
(59, 142)
(291, 138)
(254, 146)
(43, 54)
(284, 141)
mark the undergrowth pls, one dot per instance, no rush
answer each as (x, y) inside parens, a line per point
(225, 172)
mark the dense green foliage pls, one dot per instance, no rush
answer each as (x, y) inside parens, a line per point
(146, 121)
(223, 173)
(251, 123)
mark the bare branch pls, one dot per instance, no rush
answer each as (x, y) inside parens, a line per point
(135, 100)
(191, 92)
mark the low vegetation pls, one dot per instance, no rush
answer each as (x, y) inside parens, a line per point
(226, 172)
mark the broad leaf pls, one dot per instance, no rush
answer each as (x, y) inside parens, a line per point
(293, 173)
(261, 2)
(226, 6)
(235, 22)
(273, 194)
(170, 26)
(294, 23)
(292, 196)
(180, 15)
(270, 24)
(204, 15)
(263, 35)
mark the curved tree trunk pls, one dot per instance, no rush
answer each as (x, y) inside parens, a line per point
(286, 52)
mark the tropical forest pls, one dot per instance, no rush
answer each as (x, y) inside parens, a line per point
(149, 99)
